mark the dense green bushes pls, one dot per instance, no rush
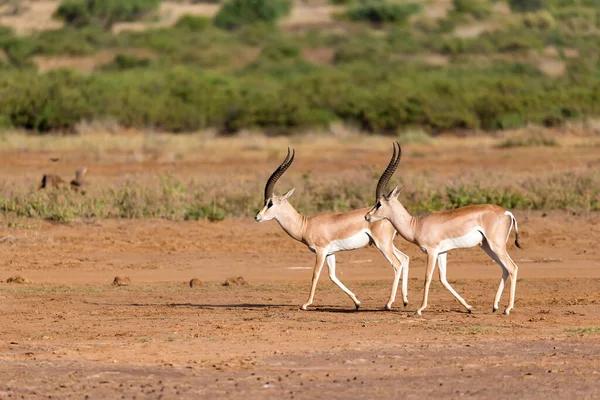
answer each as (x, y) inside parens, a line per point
(237, 13)
(195, 75)
(528, 5)
(480, 9)
(375, 98)
(103, 13)
(380, 12)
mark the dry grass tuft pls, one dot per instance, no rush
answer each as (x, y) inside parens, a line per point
(534, 139)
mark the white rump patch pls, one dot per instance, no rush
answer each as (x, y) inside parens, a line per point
(356, 241)
(473, 238)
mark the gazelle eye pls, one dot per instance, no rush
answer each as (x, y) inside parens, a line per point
(378, 204)
(270, 204)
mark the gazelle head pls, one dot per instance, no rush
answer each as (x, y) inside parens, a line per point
(274, 204)
(383, 207)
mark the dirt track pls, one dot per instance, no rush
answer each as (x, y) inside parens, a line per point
(70, 333)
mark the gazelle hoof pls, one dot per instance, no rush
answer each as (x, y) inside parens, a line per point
(417, 313)
(406, 304)
(507, 312)
(357, 306)
(494, 309)
(304, 307)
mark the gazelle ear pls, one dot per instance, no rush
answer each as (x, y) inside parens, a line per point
(395, 192)
(288, 194)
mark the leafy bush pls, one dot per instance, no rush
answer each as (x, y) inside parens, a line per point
(126, 61)
(196, 212)
(103, 13)
(380, 12)
(541, 20)
(193, 23)
(341, 2)
(534, 140)
(237, 13)
(480, 9)
(528, 5)
(577, 20)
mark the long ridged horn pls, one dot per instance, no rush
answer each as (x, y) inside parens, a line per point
(277, 174)
(389, 171)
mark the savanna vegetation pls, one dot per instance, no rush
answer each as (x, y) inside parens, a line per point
(380, 66)
(170, 197)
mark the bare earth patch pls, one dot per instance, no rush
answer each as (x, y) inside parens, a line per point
(36, 17)
(552, 66)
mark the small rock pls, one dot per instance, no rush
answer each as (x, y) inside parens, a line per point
(121, 281)
(195, 282)
(235, 281)
(18, 279)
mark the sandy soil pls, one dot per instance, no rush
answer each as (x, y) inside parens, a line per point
(70, 333)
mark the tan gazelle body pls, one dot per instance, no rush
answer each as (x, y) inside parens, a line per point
(328, 233)
(486, 225)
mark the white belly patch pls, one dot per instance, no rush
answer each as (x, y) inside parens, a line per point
(471, 239)
(356, 241)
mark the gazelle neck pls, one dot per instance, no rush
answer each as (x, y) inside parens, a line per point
(292, 222)
(403, 222)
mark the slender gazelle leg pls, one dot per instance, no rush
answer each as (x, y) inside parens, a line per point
(331, 265)
(442, 268)
(486, 247)
(404, 261)
(316, 273)
(509, 268)
(512, 269)
(388, 253)
(513, 284)
(431, 259)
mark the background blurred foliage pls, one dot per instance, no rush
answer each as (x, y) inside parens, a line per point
(382, 66)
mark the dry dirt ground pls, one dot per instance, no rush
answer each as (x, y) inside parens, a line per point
(71, 334)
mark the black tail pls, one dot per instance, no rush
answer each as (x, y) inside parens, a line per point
(514, 220)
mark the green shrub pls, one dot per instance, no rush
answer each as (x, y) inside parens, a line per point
(380, 12)
(577, 20)
(480, 9)
(528, 5)
(237, 13)
(541, 20)
(193, 23)
(44, 102)
(574, 3)
(126, 61)
(534, 140)
(257, 33)
(103, 13)
(196, 212)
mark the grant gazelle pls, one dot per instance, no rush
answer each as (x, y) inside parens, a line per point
(438, 233)
(328, 233)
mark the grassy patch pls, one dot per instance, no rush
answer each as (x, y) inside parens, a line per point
(415, 137)
(583, 331)
(172, 198)
(529, 141)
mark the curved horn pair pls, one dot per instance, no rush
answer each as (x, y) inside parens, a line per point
(277, 174)
(389, 171)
